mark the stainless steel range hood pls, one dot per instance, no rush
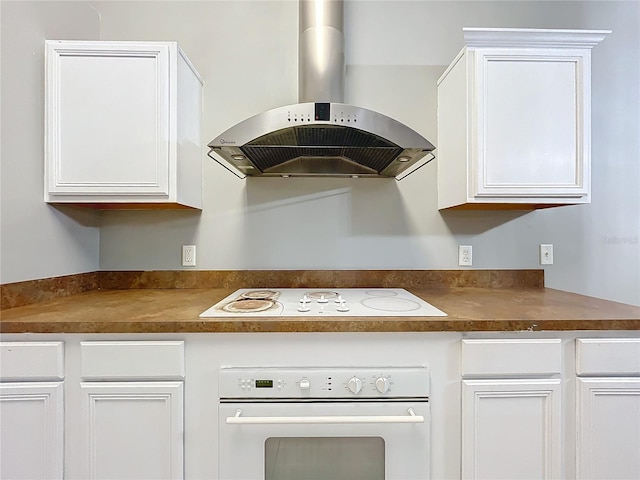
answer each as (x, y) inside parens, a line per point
(321, 136)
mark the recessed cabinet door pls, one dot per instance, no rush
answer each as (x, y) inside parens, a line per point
(532, 123)
(608, 428)
(31, 430)
(132, 430)
(511, 429)
(108, 119)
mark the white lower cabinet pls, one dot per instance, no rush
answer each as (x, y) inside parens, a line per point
(31, 426)
(608, 409)
(608, 443)
(132, 430)
(511, 423)
(31, 410)
(511, 429)
(518, 405)
(131, 410)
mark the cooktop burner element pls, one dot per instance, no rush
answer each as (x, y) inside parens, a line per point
(321, 294)
(260, 294)
(391, 304)
(248, 306)
(306, 302)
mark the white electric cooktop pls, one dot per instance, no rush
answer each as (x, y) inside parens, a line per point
(300, 302)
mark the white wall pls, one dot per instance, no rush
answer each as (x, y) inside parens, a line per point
(37, 240)
(246, 52)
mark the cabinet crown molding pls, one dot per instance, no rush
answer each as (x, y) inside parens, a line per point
(532, 37)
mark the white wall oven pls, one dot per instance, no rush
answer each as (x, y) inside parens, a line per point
(339, 423)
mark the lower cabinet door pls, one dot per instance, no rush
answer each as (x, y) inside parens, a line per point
(608, 445)
(511, 429)
(31, 430)
(133, 430)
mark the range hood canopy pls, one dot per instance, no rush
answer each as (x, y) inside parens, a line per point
(321, 136)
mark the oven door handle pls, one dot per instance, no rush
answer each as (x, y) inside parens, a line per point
(411, 417)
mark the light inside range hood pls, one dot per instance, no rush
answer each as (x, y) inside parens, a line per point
(321, 136)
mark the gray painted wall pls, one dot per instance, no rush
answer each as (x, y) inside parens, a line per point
(247, 55)
(37, 240)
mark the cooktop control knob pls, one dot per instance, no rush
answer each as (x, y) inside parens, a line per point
(342, 307)
(382, 384)
(303, 306)
(354, 384)
(305, 384)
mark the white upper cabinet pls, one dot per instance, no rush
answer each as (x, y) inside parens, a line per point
(514, 120)
(122, 125)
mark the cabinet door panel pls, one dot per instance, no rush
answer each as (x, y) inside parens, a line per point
(108, 119)
(133, 430)
(608, 428)
(511, 429)
(531, 125)
(31, 430)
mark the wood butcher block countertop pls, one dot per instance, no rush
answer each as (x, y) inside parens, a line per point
(514, 306)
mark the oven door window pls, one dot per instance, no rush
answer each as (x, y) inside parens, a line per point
(323, 458)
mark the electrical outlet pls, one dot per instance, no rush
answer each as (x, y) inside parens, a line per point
(465, 258)
(546, 254)
(188, 255)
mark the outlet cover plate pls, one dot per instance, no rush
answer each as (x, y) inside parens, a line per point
(188, 255)
(546, 254)
(465, 257)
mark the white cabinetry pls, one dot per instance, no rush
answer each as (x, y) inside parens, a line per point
(504, 419)
(31, 410)
(133, 428)
(122, 125)
(511, 409)
(608, 442)
(514, 120)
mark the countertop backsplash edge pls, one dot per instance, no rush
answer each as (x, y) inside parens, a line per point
(35, 291)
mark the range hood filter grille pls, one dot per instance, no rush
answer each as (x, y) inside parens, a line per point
(290, 146)
(345, 160)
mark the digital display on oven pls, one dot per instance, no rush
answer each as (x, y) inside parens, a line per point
(264, 383)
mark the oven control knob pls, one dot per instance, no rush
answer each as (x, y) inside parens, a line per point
(382, 384)
(305, 384)
(355, 384)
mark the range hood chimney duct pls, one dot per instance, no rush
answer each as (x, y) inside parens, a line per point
(321, 63)
(321, 136)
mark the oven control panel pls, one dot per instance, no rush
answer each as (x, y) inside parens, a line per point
(317, 382)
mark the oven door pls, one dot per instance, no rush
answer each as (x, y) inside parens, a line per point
(324, 441)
